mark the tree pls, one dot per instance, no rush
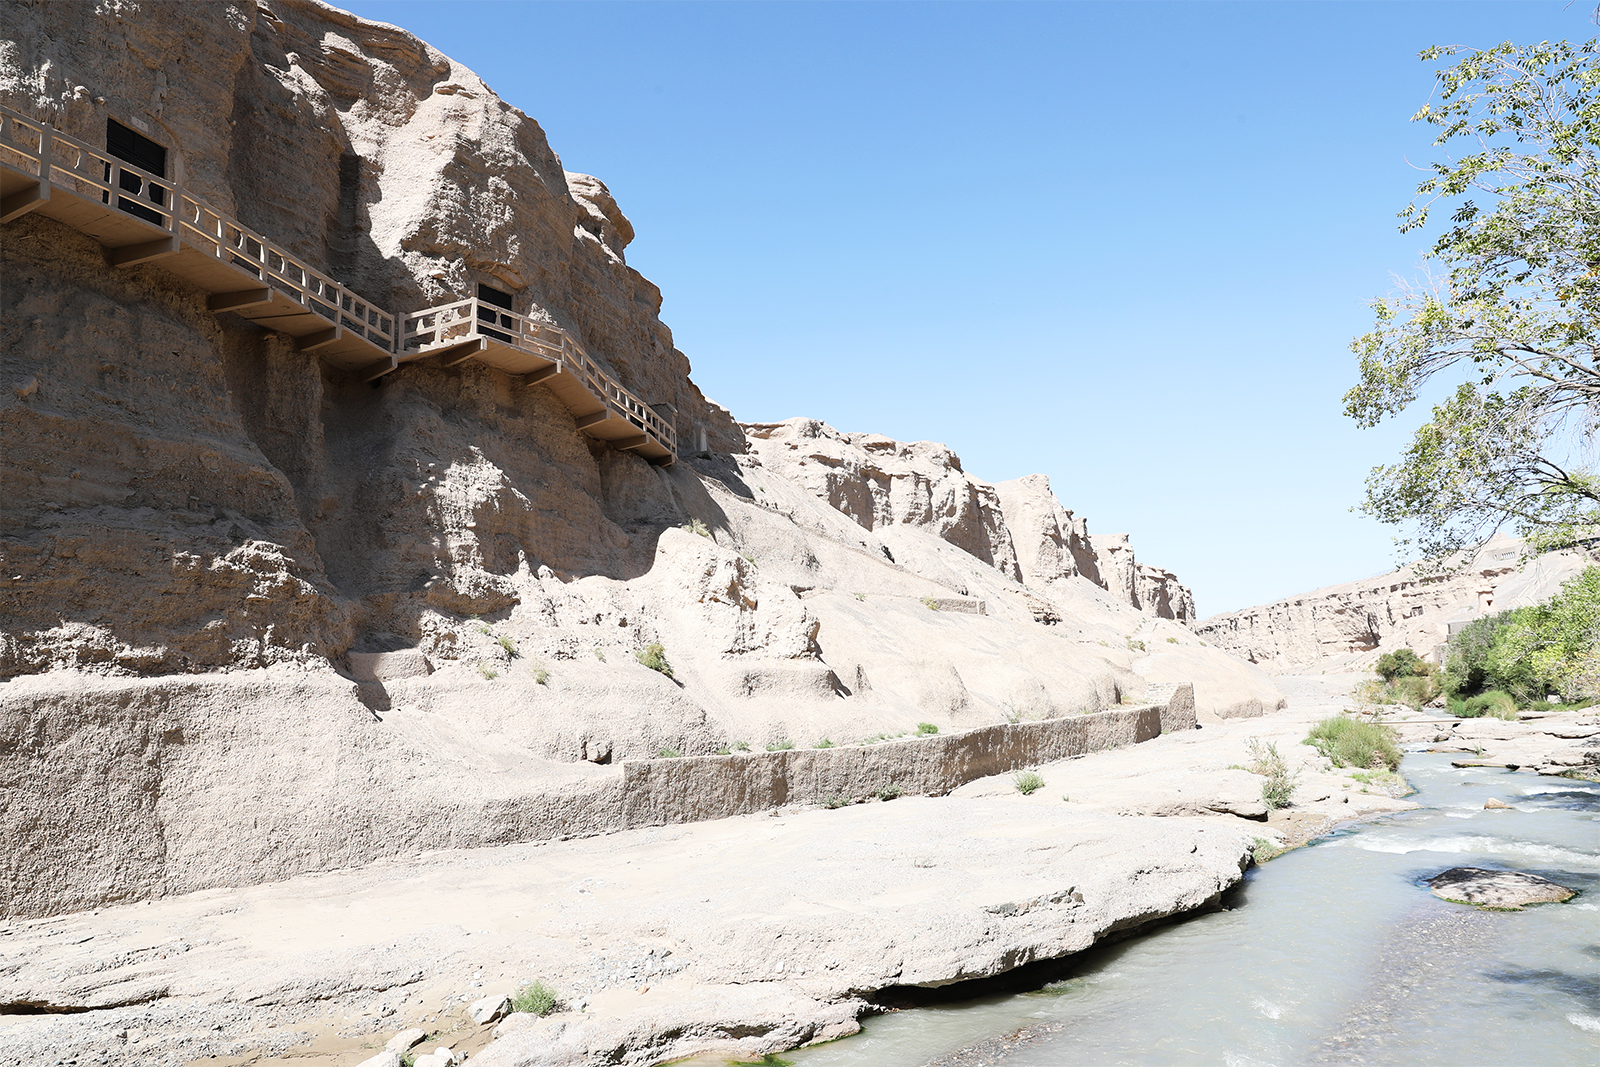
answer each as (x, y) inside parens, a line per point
(1515, 310)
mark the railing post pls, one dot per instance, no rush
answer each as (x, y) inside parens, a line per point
(47, 136)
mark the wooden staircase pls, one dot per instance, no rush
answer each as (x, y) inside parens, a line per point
(141, 217)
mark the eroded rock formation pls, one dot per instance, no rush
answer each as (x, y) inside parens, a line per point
(1341, 626)
(278, 619)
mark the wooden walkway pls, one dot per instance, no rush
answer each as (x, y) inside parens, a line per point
(140, 217)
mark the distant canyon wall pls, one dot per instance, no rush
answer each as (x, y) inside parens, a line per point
(1348, 625)
(1017, 527)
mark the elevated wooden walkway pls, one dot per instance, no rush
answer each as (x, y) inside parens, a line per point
(140, 217)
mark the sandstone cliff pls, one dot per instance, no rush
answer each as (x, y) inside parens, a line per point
(261, 616)
(1347, 626)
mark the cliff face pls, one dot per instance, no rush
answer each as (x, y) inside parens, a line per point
(1349, 625)
(239, 582)
(1019, 527)
(188, 491)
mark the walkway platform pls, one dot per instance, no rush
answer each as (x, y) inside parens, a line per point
(140, 217)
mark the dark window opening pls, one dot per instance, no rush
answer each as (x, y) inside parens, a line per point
(498, 297)
(133, 147)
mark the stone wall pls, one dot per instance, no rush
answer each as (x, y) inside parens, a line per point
(713, 787)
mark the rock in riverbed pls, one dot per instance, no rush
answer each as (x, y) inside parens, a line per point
(1496, 889)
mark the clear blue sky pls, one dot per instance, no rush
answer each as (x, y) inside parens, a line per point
(1125, 245)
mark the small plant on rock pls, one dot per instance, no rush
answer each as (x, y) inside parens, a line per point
(1352, 743)
(1266, 760)
(508, 645)
(741, 746)
(925, 729)
(535, 998)
(600, 654)
(695, 526)
(824, 743)
(860, 596)
(930, 603)
(1265, 850)
(668, 753)
(489, 673)
(1172, 640)
(540, 674)
(889, 792)
(654, 656)
(724, 751)
(1028, 782)
(1135, 646)
(780, 746)
(836, 801)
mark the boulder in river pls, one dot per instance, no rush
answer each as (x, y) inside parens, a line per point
(1496, 889)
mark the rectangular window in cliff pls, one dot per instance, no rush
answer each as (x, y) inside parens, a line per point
(498, 298)
(132, 147)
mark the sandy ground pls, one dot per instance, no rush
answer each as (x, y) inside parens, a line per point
(743, 935)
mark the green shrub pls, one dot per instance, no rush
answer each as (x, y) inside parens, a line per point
(508, 645)
(1028, 782)
(695, 526)
(1530, 652)
(741, 746)
(930, 603)
(1265, 759)
(668, 753)
(540, 674)
(488, 672)
(600, 654)
(1172, 640)
(1135, 646)
(836, 802)
(824, 743)
(724, 751)
(535, 998)
(1495, 703)
(1352, 743)
(780, 746)
(926, 728)
(1401, 663)
(889, 792)
(654, 656)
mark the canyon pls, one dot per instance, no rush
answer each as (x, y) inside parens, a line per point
(300, 588)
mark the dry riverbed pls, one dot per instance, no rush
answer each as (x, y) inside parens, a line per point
(741, 936)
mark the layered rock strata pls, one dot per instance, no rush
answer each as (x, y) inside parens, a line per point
(1349, 625)
(262, 618)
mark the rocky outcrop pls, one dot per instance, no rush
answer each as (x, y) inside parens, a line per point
(1350, 624)
(261, 617)
(1500, 890)
(1019, 527)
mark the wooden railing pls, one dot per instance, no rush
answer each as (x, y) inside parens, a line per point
(64, 162)
(456, 321)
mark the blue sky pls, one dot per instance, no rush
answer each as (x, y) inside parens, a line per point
(1125, 245)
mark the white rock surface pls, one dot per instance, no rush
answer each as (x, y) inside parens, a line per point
(488, 1009)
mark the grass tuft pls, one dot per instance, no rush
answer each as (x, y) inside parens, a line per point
(824, 743)
(654, 656)
(930, 603)
(488, 672)
(541, 675)
(780, 746)
(508, 645)
(926, 728)
(1028, 782)
(668, 753)
(1265, 850)
(535, 998)
(889, 792)
(695, 526)
(1352, 743)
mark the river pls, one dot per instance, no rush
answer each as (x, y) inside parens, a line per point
(1331, 954)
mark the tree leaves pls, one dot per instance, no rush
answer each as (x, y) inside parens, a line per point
(1517, 307)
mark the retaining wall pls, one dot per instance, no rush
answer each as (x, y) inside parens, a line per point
(694, 788)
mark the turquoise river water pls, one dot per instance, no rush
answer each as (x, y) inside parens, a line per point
(1331, 954)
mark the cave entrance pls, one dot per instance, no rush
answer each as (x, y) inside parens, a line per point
(130, 146)
(496, 298)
